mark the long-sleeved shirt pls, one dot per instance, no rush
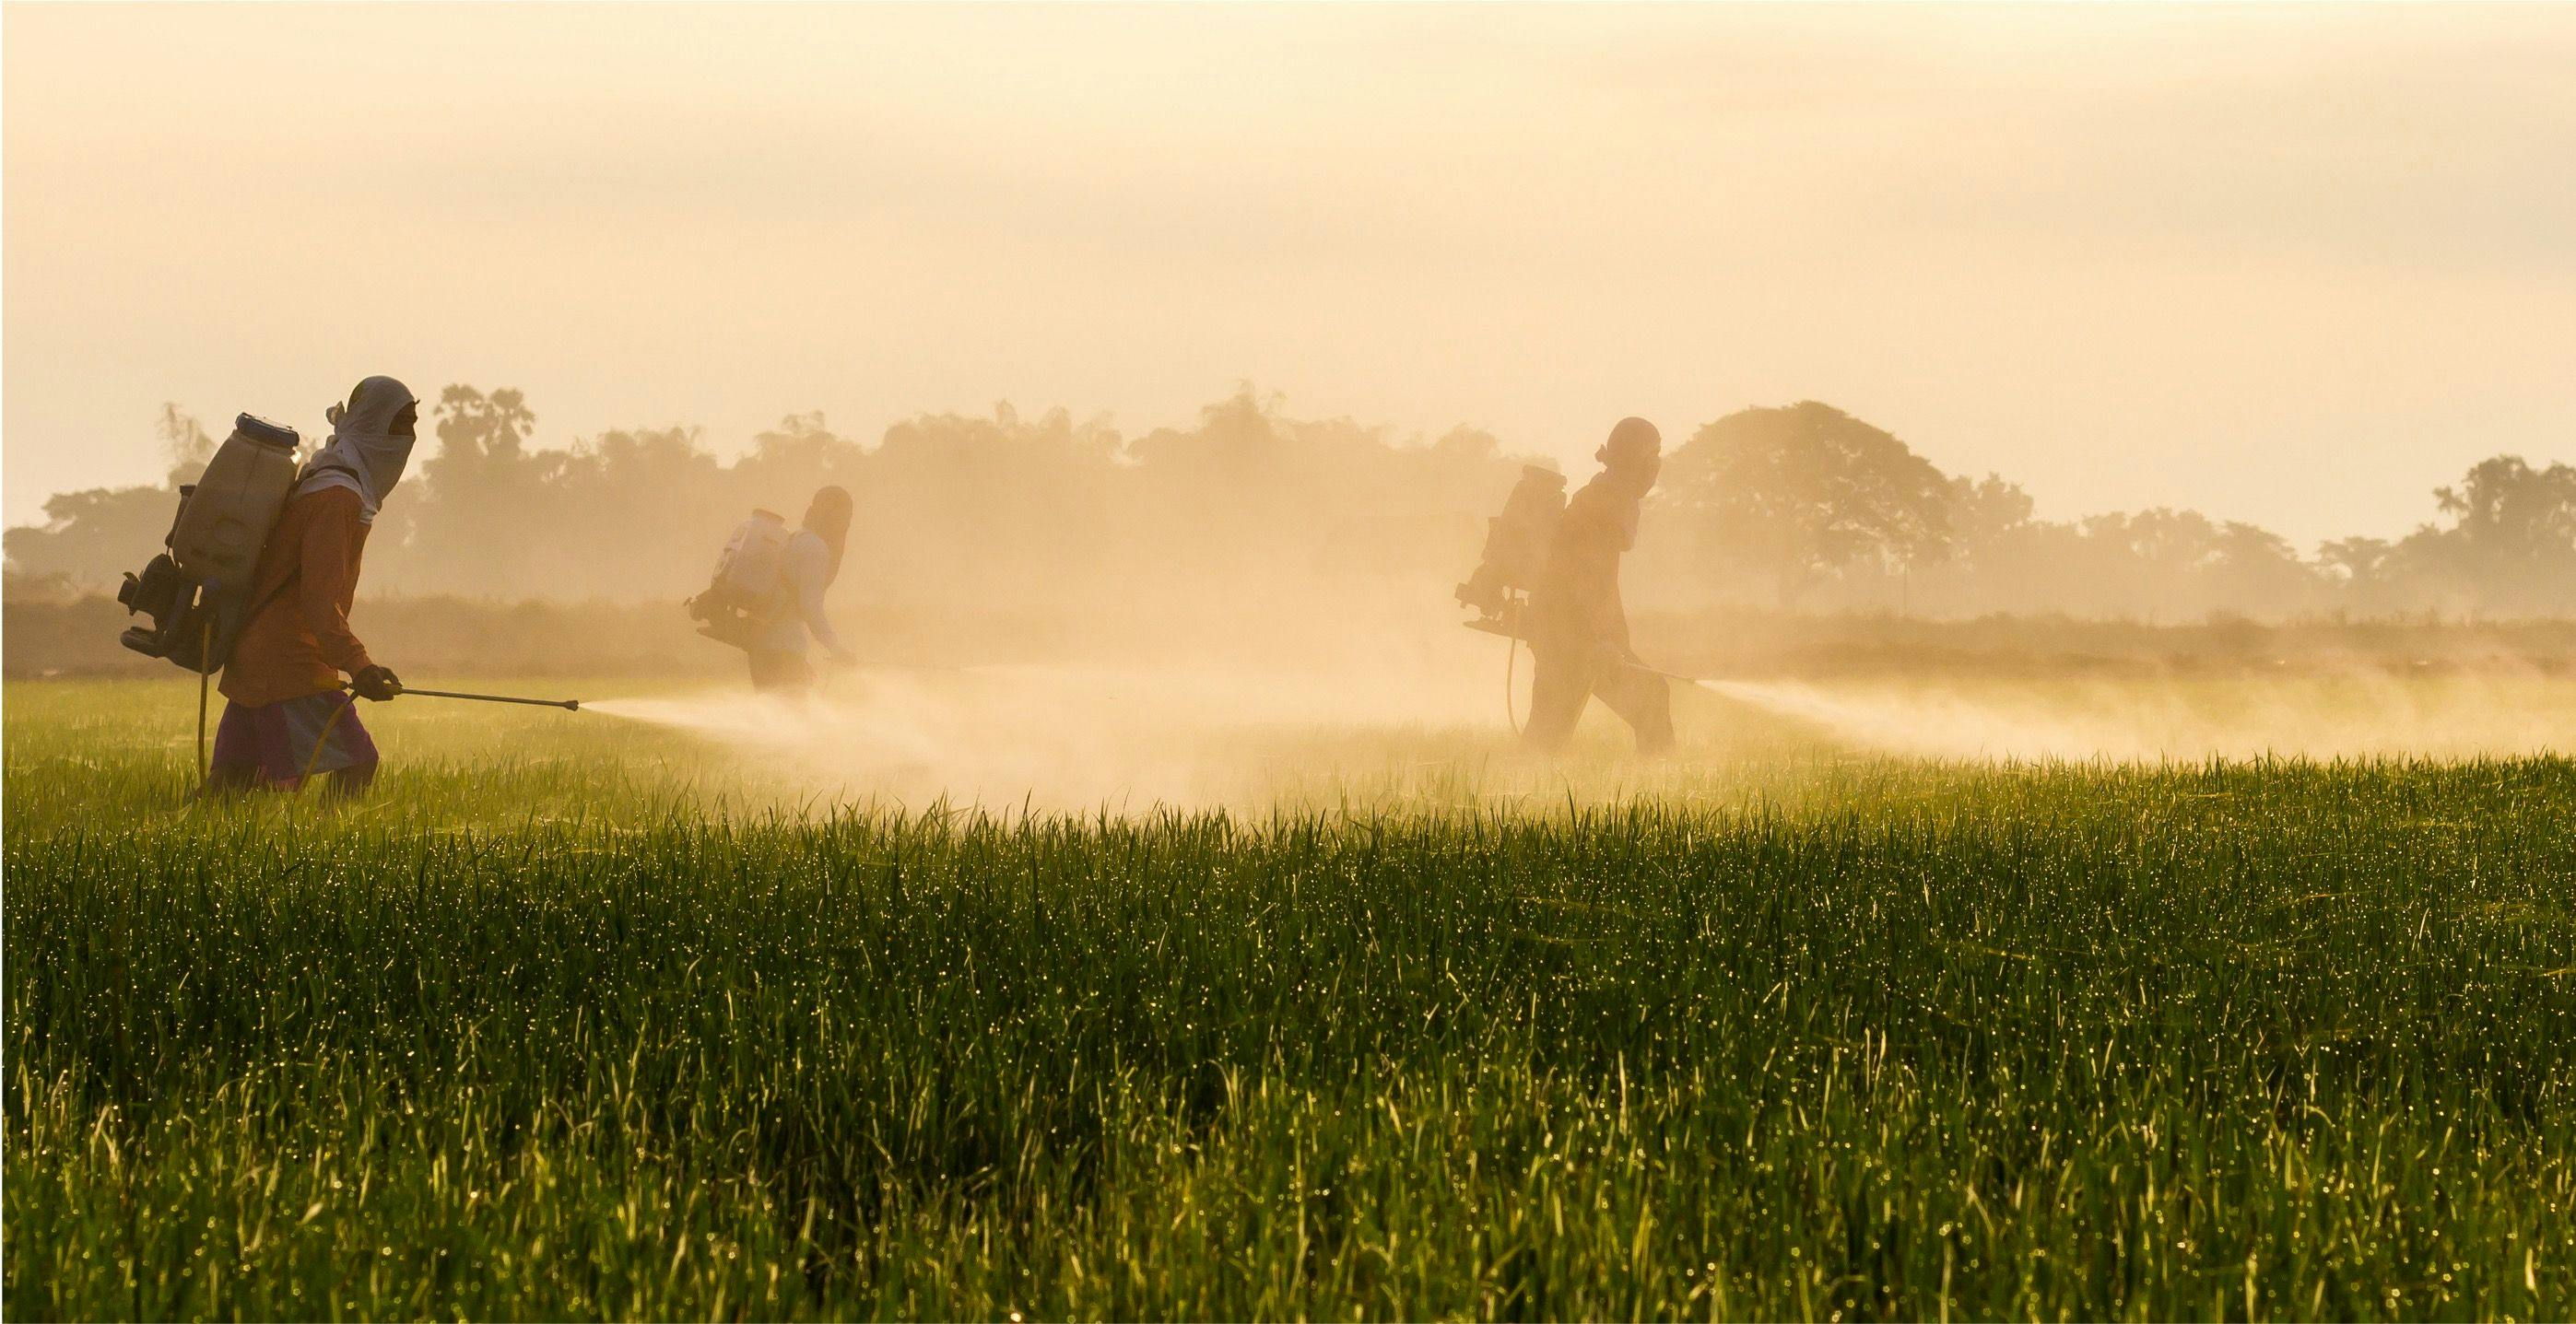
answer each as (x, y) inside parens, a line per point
(298, 640)
(806, 573)
(1576, 601)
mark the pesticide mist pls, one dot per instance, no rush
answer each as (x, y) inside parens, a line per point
(1053, 736)
(2350, 714)
(1135, 738)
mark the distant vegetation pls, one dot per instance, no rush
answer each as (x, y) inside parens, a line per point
(449, 635)
(1833, 512)
(1801, 507)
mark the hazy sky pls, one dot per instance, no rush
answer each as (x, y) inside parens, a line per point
(2292, 265)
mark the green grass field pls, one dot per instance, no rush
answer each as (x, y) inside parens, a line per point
(579, 1017)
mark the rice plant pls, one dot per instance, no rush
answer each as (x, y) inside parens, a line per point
(611, 1026)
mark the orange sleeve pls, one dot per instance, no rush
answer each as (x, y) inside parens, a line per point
(329, 580)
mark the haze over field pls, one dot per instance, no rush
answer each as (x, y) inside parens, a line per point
(2290, 266)
(983, 667)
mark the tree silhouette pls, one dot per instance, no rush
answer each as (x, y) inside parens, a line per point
(2253, 569)
(795, 457)
(473, 426)
(1046, 515)
(486, 497)
(2506, 506)
(2360, 570)
(91, 538)
(2512, 541)
(1806, 491)
(185, 443)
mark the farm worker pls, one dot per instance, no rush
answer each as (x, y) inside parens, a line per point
(812, 561)
(288, 715)
(1578, 627)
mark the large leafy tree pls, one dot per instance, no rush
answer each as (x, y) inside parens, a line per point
(2511, 544)
(2514, 513)
(1806, 491)
(482, 496)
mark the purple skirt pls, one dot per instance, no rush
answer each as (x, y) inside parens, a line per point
(288, 741)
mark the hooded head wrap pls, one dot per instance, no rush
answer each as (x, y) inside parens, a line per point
(364, 454)
(828, 518)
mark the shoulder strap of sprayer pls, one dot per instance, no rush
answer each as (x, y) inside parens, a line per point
(298, 572)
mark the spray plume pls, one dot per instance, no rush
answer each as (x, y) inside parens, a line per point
(1134, 738)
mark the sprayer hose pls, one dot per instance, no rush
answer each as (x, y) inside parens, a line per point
(323, 741)
(205, 680)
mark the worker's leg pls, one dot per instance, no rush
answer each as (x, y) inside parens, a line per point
(331, 741)
(350, 782)
(1644, 701)
(775, 672)
(251, 750)
(224, 781)
(1560, 684)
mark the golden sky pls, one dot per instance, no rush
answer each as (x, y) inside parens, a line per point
(2295, 265)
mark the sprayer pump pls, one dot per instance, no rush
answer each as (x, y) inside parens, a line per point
(1516, 549)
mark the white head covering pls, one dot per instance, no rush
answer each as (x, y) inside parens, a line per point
(363, 454)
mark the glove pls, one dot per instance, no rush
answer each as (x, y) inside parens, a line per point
(375, 682)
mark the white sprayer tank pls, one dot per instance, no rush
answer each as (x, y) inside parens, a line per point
(226, 520)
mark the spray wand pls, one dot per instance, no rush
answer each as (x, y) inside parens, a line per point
(568, 705)
(1634, 665)
(322, 741)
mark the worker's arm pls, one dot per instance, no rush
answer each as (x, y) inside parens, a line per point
(813, 573)
(1591, 543)
(328, 576)
(1616, 628)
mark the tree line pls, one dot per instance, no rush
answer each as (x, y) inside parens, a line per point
(1801, 506)
(1828, 511)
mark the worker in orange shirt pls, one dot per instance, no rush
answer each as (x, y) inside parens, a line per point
(288, 715)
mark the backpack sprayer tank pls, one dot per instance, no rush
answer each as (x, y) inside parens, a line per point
(1516, 549)
(198, 592)
(748, 589)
